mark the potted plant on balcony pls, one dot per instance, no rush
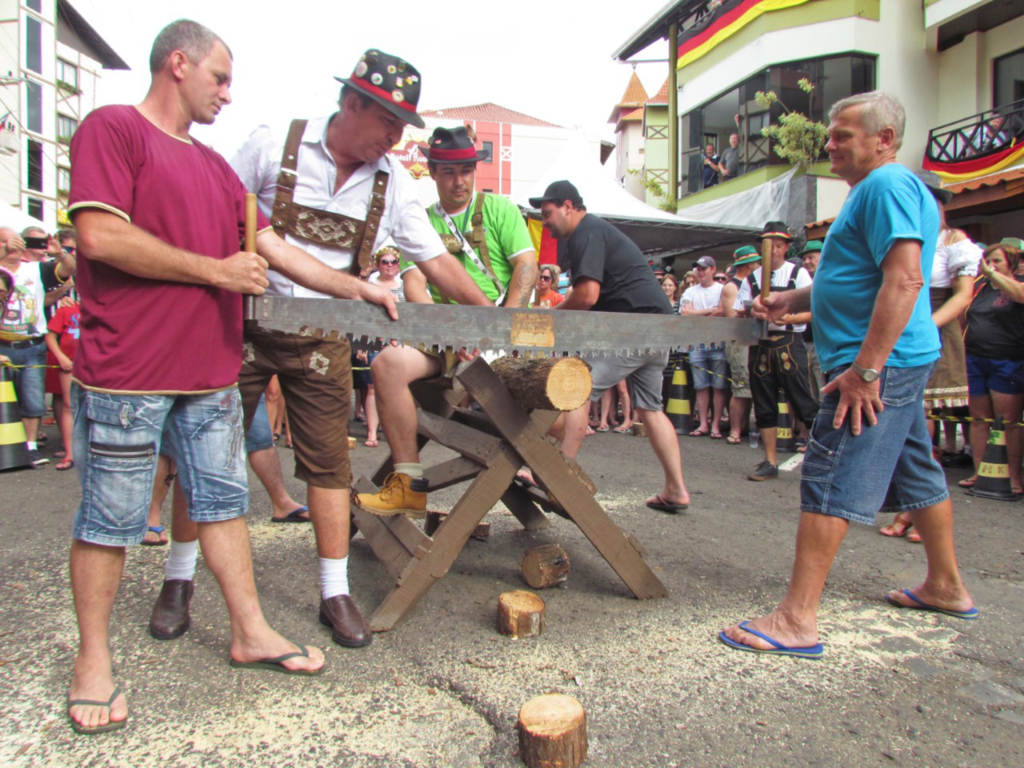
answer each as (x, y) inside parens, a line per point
(797, 139)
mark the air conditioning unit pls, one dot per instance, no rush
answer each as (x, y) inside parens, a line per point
(8, 139)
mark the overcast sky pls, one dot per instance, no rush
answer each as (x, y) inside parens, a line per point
(553, 63)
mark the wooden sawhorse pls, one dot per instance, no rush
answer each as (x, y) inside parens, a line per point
(491, 448)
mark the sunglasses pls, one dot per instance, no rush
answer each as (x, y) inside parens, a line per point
(389, 262)
(721, 279)
(545, 277)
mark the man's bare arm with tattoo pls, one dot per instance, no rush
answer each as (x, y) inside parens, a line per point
(524, 279)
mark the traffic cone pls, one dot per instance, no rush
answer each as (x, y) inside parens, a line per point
(678, 406)
(13, 450)
(994, 472)
(785, 442)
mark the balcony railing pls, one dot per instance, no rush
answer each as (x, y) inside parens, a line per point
(986, 133)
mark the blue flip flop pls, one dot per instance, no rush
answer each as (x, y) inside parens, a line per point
(295, 516)
(810, 652)
(923, 606)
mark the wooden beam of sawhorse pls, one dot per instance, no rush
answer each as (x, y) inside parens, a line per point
(416, 560)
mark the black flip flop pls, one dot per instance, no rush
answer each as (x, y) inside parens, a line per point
(659, 503)
(113, 725)
(276, 664)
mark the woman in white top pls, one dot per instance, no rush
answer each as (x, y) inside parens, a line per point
(388, 261)
(951, 286)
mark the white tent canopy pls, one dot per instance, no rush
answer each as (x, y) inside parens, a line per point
(17, 219)
(656, 232)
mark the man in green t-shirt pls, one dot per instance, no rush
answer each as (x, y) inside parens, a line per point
(487, 234)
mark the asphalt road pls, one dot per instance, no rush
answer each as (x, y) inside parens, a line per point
(444, 688)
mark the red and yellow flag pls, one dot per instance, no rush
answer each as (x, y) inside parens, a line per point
(730, 18)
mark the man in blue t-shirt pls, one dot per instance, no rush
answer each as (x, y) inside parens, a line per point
(869, 447)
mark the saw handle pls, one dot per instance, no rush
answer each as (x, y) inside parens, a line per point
(250, 223)
(766, 268)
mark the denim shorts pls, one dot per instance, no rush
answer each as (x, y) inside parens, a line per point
(986, 374)
(709, 368)
(259, 437)
(116, 441)
(888, 467)
(29, 383)
(643, 375)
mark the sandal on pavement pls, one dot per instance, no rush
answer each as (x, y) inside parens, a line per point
(276, 664)
(371, 443)
(161, 539)
(968, 482)
(732, 440)
(698, 433)
(623, 430)
(716, 435)
(295, 516)
(662, 505)
(60, 466)
(898, 528)
(112, 725)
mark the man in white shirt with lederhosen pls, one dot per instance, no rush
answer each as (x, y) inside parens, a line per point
(780, 361)
(331, 189)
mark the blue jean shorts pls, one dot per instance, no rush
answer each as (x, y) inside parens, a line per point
(259, 437)
(888, 467)
(116, 441)
(986, 374)
(709, 368)
(29, 382)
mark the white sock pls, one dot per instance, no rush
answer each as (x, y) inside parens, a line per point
(333, 577)
(414, 471)
(181, 562)
(32, 445)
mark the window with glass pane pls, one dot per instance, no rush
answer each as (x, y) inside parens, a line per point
(34, 106)
(1008, 85)
(737, 110)
(35, 5)
(63, 179)
(35, 208)
(34, 161)
(33, 45)
(67, 73)
(66, 127)
(489, 149)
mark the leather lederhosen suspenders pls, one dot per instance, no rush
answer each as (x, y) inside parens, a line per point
(790, 285)
(324, 227)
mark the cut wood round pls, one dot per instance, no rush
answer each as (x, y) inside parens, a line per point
(545, 566)
(552, 732)
(520, 614)
(548, 383)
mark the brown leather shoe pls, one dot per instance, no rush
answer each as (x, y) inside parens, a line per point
(348, 627)
(170, 617)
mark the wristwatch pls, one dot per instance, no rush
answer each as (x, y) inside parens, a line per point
(868, 374)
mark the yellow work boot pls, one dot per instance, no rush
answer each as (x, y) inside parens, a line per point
(400, 495)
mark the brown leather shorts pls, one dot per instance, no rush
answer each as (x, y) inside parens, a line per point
(316, 380)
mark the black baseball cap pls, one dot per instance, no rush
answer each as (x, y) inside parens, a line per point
(559, 190)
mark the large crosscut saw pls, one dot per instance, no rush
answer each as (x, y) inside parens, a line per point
(496, 329)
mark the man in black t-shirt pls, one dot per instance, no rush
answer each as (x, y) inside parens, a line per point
(610, 274)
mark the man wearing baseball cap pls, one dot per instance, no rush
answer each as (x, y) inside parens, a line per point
(744, 261)
(487, 235)
(780, 361)
(330, 189)
(707, 363)
(610, 274)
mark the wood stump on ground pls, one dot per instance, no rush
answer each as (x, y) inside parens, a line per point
(552, 732)
(520, 614)
(548, 383)
(545, 566)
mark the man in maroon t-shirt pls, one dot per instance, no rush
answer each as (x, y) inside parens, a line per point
(160, 218)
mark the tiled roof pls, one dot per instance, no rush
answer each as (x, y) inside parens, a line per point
(1010, 176)
(661, 97)
(489, 112)
(631, 115)
(635, 94)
